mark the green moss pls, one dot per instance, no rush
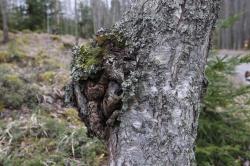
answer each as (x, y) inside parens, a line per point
(14, 54)
(4, 56)
(71, 115)
(13, 100)
(55, 38)
(46, 62)
(89, 56)
(41, 139)
(67, 45)
(13, 81)
(5, 68)
(9, 57)
(113, 37)
(15, 92)
(11, 91)
(92, 54)
(47, 77)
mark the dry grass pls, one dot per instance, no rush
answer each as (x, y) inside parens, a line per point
(46, 133)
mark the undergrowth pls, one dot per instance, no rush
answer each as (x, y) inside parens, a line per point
(223, 134)
(35, 128)
(41, 140)
(15, 92)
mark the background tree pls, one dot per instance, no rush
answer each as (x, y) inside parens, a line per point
(115, 10)
(86, 21)
(4, 8)
(77, 22)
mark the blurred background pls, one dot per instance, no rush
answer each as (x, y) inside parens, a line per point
(35, 53)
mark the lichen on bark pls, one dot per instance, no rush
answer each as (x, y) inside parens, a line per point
(158, 76)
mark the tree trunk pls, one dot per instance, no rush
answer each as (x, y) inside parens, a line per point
(77, 23)
(5, 21)
(95, 7)
(144, 98)
(115, 10)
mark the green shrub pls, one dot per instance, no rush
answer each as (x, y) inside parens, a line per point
(223, 134)
(45, 62)
(47, 77)
(14, 91)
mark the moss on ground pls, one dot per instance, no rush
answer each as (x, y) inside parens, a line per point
(14, 91)
(47, 77)
(41, 140)
(56, 38)
(4, 56)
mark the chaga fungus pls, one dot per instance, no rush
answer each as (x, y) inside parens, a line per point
(97, 74)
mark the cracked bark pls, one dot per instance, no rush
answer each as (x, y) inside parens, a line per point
(162, 80)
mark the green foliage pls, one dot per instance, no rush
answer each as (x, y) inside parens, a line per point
(223, 134)
(14, 92)
(4, 56)
(13, 54)
(45, 61)
(226, 155)
(230, 21)
(37, 13)
(89, 56)
(47, 77)
(43, 15)
(86, 25)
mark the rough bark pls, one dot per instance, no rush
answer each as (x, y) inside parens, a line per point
(153, 84)
(5, 20)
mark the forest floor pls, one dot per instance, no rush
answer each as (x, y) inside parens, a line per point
(35, 126)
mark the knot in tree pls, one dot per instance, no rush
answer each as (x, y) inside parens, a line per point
(98, 70)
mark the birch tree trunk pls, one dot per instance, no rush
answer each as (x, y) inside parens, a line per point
(158, 76)
(3, 6)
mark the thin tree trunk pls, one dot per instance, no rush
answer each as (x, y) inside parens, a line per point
(47, 17)
(115, 10)
(161, 73)
(77, 21)
(95, 9)
(5, 21)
